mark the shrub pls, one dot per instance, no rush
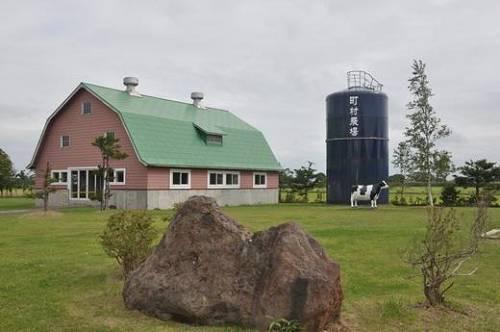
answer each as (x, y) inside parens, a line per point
(449, 195)
(283, 325)
(128, 238)
(290, 197)
(441, 253)
(319, 196)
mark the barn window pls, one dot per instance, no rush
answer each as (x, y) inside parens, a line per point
(221, 179)
(180, 179)
(216, 178)
(259, 180)
(232, 179)
(214, 139)
(64, 141)
(59, 177)
(118, 176)
(86, 108)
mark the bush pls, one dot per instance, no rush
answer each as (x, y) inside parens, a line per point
(449, 195)
(320, 196)
(128, 238)
(283, 325)
(290, 197)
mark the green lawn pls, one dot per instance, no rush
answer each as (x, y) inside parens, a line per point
(16, 203)
(412, 193)
(54, 276)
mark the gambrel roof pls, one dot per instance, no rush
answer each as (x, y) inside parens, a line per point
(173, 134)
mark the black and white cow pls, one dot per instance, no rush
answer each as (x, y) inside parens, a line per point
(367, 193)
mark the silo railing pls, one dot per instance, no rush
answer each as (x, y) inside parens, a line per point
(357, 79)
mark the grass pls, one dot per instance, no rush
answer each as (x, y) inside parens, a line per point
(16, 203)
(412, 193)
(54, 275)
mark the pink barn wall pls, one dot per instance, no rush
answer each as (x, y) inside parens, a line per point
(83, 129)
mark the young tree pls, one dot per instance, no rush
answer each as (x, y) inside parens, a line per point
(443, 166)
(6, 172)
(442, 252)
(47, 189)
(402, 159)
(425, 127)
(110, 149)
(477, 174)
(306, 178)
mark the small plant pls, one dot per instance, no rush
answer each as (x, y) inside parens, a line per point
(320, 196)
(290, 197)
(47, 189)
(449, 195)
(284, 325)
(392, 309)
(128, 238)
(440, 255)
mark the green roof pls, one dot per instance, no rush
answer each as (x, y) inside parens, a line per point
(171, 133)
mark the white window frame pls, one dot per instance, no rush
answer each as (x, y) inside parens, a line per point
(83, 108)
(60, 171)
(114, 183)
(87, 169)
(224, 184)
(180, 186)
(61, 141)
(232, 185)
(259, 185)
(215, 186)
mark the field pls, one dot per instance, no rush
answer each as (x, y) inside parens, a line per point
(412, 193)
(54, 275)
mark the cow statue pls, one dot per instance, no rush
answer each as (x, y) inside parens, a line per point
(367, 193)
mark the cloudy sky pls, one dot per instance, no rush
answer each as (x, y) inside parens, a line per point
(270, 62)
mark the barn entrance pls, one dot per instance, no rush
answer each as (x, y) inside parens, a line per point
(84, 184)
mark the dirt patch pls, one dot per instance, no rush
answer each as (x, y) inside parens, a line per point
(42, 214)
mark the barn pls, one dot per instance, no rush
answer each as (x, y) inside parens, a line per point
(175, 150)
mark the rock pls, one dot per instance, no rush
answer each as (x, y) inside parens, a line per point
(208, 269)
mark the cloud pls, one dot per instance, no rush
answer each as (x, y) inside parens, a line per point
(270, 62)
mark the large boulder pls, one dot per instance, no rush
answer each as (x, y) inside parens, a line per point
(208, 269)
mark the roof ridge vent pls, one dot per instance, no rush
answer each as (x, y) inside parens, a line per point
(197, 98)
(131, 83)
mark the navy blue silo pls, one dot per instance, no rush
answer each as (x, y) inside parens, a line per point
(357, 137)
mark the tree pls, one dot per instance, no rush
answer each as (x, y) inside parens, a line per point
(449, 194)
(402, 159)
(306, 178)
(24, 180)
(47, 189)
(443, 166)
(441, 254)
(6, 172)
(110, 149)
(321, 180)
(286, 178)
(425, 128)
(477, 174)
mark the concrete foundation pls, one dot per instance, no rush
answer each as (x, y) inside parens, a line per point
(166, 199)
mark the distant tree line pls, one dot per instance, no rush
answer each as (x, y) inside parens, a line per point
(11, 180)
(298, 183)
